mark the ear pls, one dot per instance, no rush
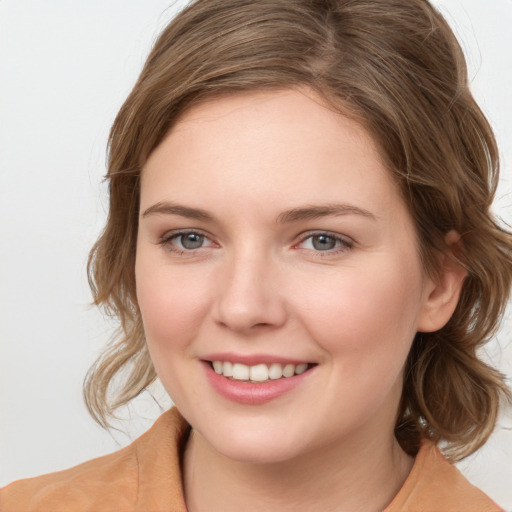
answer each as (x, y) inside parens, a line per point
(443, 291)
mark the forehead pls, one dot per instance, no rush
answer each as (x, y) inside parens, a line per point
(281, 147)
(289, 114)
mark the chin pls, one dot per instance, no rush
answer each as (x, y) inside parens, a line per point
(254, 444)
(255, 452)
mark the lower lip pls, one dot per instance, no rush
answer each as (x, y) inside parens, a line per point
(252, 393)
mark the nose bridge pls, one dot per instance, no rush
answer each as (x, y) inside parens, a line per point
(249, 295)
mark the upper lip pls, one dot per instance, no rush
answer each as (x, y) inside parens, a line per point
(252, 359)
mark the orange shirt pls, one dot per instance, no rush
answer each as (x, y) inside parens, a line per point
(145, 476)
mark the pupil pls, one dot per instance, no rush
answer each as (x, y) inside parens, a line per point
(192, 241)
(323, 242)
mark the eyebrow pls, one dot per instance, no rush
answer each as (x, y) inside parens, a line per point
(177, 209)
(288, 216)
(315, 212)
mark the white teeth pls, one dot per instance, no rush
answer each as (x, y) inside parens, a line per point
(240, 371)
(275, 371)
(259, 372)
(301, 368)
(288, 370)
(227, 369)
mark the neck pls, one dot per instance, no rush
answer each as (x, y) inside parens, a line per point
(356, 476)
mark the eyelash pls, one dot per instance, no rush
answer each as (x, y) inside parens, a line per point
(165, 241)
(345, 243)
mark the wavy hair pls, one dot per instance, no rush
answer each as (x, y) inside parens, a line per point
(396, 67)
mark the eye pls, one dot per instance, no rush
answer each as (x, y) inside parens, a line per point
(325, 242)
(190, 240)
(186, 241)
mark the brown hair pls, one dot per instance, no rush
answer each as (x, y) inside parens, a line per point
(394, 66)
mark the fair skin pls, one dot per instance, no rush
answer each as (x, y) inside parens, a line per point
(270, 231)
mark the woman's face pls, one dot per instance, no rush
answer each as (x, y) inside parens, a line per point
(272, 239)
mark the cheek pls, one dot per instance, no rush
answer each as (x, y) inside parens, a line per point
(368, 317)
(172, 303)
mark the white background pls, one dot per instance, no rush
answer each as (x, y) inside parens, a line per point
(65, 68)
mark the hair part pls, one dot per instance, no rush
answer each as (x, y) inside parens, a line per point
(394, 66)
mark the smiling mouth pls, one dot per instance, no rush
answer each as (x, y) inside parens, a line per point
(260, 372)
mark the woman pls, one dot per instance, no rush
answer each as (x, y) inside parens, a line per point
(299, 245)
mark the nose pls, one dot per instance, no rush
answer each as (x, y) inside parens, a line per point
(249, 298)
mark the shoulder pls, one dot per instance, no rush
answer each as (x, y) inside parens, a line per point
(435, 484)
(114, 482)
(72, 488)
